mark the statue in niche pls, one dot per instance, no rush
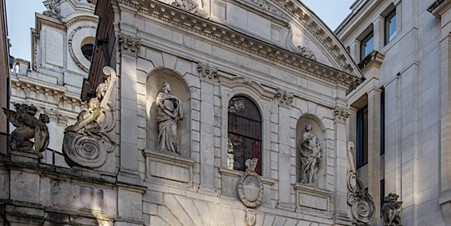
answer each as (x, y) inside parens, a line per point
(311, 156)
(28, 127)
(390, 210)
(169, 112)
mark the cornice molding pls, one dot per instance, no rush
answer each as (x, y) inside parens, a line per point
(169, 14)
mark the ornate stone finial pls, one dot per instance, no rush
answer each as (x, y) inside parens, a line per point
(187, 5)
(341, 114)
(360, 201)
(207, 72)
(27, 128)
(311, 156)
(169, 112)
(87, 143)
(284, 97)
(390, 210)
(250, 185)
(53, 9)
(129, 44)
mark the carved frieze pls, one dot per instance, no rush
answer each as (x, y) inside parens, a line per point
(360, 201)
(88, 142)
(187, 5)
(129, 44)
(226, 36)
(284, 97)
(341, 114)
(206, 71)
(28, 127)
(250, 185)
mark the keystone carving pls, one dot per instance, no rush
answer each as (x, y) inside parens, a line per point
(207, 72)
(88, 142)
(284, 97)
(360, 201)
(28, 127)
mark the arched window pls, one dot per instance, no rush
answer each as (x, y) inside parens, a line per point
(244, 133)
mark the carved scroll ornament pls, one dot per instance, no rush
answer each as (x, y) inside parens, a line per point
(88, 142)
(360, 201)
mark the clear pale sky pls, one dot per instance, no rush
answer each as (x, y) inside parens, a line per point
(21, 19)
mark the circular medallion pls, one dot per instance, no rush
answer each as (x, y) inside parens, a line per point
(250, 189)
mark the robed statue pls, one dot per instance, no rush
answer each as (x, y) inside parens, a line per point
(311, 155)
(28, 127)
(169, 112)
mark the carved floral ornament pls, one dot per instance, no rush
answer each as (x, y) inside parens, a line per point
(349, 75)
(129, 44)
(284, 97)
(341, 114)
(206, 71)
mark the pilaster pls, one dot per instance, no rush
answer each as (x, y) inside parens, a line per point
(374, 108)
(129, 49)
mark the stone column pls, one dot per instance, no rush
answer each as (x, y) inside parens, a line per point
(378, 33)
(129, 49)
(445, 171)
(284, 159)
(207, 125)
(374, 162)
(354, 50)
(341, 189)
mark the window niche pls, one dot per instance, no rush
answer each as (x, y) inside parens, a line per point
(178, 94)
(310, 152)
(244, 133)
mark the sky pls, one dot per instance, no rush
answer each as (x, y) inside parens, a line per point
(20, 15)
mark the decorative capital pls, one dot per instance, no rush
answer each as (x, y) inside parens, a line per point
(129, 44)
(207, 72)
(284, 97)
(341, 114)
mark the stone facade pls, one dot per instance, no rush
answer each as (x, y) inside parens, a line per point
(278, 56)
(406, 92)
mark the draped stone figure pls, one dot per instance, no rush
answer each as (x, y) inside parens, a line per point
(169, 112)
(311, 156)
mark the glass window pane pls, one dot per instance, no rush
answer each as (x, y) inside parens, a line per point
(367, 46)
(244, 133)
(390, 27)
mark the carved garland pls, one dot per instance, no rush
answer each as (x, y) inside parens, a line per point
(87, 143)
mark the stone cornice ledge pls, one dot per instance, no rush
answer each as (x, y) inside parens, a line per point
(237, 174)
(226, 35)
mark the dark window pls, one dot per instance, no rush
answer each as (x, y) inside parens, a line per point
(87, 51)
(382, 118)
(366, 46)
(244, 133)
(390, 26)
(362, 137)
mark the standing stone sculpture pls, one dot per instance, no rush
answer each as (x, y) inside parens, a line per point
(169, 112)
(390, 210)
(87, 143)
(27, 128)
(360, 201)
(311, 156)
